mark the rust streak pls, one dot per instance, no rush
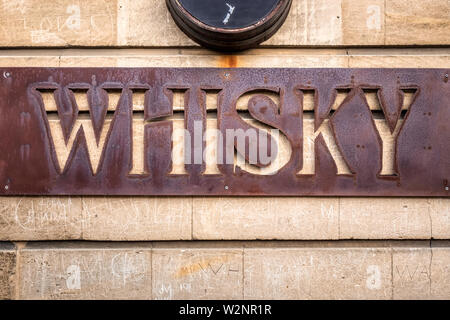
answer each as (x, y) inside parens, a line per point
(229, 61)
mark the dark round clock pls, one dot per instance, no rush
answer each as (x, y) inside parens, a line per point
(229, 24)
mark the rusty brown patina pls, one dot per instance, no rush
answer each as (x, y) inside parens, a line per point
(28, 164)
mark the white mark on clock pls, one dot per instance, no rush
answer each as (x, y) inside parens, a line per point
(229, 13)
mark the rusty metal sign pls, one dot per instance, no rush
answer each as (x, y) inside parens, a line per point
(110, 131)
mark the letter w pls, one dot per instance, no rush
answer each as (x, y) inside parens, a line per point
(94, 125)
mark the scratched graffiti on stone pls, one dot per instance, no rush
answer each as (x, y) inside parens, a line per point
(205, 273)
(98, 273)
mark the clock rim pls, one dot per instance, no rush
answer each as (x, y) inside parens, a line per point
(229, 39)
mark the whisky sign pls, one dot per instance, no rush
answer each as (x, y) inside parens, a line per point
(165, 131)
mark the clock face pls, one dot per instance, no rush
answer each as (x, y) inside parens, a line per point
(229, 14)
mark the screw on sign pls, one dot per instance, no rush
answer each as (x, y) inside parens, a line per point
(229, 25)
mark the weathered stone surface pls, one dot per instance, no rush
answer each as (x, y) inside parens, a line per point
(399, 58)
(85, 271)
(8, 275)
(384, 218)
(197, 273)
(440, 272)
(333, 58)
(317, 273)
(266, 218)
(412, 276)
(64, 23)
(40, 218)
(440, 218)
(140, 218)
(202, 58)
(147, 23)
(311, 22)
(224, 270)
(363, 22)
(58, 23)
(10, 58)
(422, 270)
(419, 22)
